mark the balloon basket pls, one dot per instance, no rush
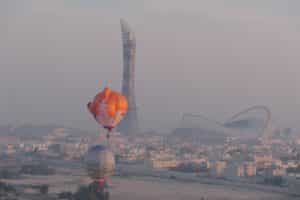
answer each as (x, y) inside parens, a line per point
(100, 189)
(102, 183)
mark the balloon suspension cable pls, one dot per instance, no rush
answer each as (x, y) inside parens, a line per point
(108, 136)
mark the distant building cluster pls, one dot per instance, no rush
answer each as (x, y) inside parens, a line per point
(231, 160)
(277, 162)
(58, 143)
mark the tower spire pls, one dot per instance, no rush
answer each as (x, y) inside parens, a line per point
(129, 125)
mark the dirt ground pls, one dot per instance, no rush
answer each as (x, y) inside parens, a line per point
(137, 188)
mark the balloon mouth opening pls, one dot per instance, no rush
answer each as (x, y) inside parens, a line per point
(109, 128)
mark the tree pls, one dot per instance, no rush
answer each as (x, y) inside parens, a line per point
(276, 180)
(65, 195)
(37, 169)
(91, 193)
(44, 189)
(5, 189)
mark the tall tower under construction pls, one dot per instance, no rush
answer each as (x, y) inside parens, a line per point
(129, 125)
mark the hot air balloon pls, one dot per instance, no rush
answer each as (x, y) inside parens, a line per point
(108, 108)
(100, 164)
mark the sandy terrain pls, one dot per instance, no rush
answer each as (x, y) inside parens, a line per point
(136, 189)
(143, 188)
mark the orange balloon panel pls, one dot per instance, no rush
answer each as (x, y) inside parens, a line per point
(108, 108)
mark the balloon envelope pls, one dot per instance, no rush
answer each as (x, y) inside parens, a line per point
(108, 108)
(99, 162)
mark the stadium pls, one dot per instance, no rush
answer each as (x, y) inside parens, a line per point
(250, 124)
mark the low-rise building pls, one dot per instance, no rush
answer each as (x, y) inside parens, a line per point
(164, 164)
(241, 171)
(250, 169)
(10, 149)
(220, 168)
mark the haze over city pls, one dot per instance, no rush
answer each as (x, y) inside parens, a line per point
(149, 99)
(209, 57)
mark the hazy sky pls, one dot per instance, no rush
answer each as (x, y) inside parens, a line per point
(213, 57)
